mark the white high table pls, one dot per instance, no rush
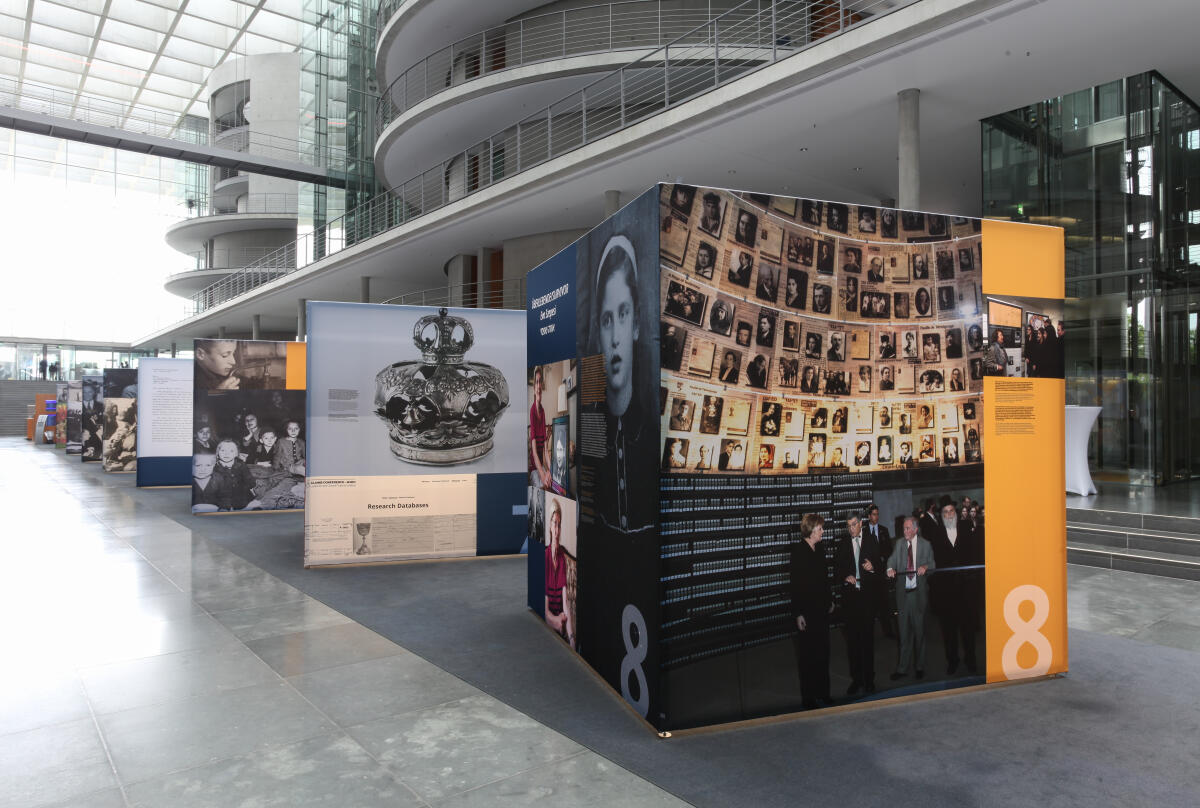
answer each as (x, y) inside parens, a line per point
(1080, 421)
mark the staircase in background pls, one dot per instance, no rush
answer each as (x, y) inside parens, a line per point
(14, 396)
(1155, 544)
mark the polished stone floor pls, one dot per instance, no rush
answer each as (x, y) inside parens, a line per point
(1177, 499)
(147, 666)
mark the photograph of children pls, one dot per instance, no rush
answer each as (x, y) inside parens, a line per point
(757, 371)
(809, 381)
(912, 220)
(837, 347)
(944, 260)
(947, 300)
(704, 457)
(883, 450)
(733, 455)
(974, 338)
(852, 260)
(937, 224)
(931, 381)
(731, 365)
(887, 378)
(741, 266)
(720, 317)
(562, 571)
(876, 305)
(931, 346)
(975, 368)
(954, 343)
(816, 451)
(925, 416)
(864, 378)
(837, 383)
(837, 425)
(866, 219)
(766, 456)
(825, 250)
(685, 303)
(706, 259)
(812, 345)
(240, 364)
(674, 454)
(928, 453)
(771, 422)
(764, 335)
(862, 453)
(900, 305)
(120, 430)
(819, 419)
(745, 232)
(671, 338)
(767, 287)
(849, 296)
(256, 440)
(876, 272)
(700, 363)
(710, 414)
(966, 259)
(837, 217)
(950, 450)
(810, 212)
(682, 412)
(683, 197)
(971, 450)
(887, 345)
(887, 222)
(795, 295)
(908, 340)
(791, 335)
(923, 302)
(957, 383)
(712, 213)
(822, 298)
(745, 332)
(919, 263)
(799, 248)
(968, 411)
(789, 371)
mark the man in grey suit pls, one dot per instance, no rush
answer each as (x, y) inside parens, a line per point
(995, 361)
(911, 558)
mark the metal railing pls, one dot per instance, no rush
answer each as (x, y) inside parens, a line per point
(219, 258)
(69, 105)
(685, 68)
(502, 294)
(605, 28)
(246, 203)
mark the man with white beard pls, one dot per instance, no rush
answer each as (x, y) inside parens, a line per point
(956, 593)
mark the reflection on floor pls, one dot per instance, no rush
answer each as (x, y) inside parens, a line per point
(146, 665)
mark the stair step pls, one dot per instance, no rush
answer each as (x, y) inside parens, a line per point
(1134, 540)
(1153, 522)
(1168, 565)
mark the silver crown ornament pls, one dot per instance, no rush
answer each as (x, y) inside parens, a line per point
(442, 409)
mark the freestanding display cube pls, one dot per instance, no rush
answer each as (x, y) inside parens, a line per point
(786, 453)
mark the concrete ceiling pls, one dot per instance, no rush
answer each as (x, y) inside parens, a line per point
(798, 127)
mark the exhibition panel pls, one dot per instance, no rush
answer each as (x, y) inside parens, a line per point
(248, 448)
(409, 453)
(75, 416)
(164, 423)
(120, 419)
(92, 418)
(820, 381)
(60, 420)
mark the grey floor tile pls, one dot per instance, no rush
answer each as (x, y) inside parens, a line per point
(307, 651)
(329, 771)
(51, 764)
(148, 742)
(98, 641)
(585, 780)
(365, 691)
(108, 798)
(166, 677)
(240, 588)
(448, 749)
(285, 618)
(32, 698)
(1171, 633)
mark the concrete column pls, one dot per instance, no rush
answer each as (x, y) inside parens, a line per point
(487, 295)
(173, 352)
(364, 289)
(220, 332)
(256, 326)
(301, 320)
(612, 203)
(909, 148)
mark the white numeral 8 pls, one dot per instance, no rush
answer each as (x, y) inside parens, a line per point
(1026, 632)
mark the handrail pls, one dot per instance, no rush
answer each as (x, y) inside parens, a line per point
(227, 258)
(198, 206)
(67, 104)
(683, 69)
(601, 28)
(508, 293)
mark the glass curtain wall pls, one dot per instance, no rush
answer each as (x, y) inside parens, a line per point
(1118, 167)
(27, 361)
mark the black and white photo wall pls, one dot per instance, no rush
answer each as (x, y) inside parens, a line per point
(412, 448)
(120, 420)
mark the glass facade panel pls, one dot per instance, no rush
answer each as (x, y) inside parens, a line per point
(1117, 167)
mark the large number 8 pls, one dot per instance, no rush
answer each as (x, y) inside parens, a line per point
(635, 655)
(1026, 632)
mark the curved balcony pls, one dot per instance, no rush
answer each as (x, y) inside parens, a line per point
(212, 265)
(209, 217)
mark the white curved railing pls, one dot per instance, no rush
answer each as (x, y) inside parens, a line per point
(679, 71)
